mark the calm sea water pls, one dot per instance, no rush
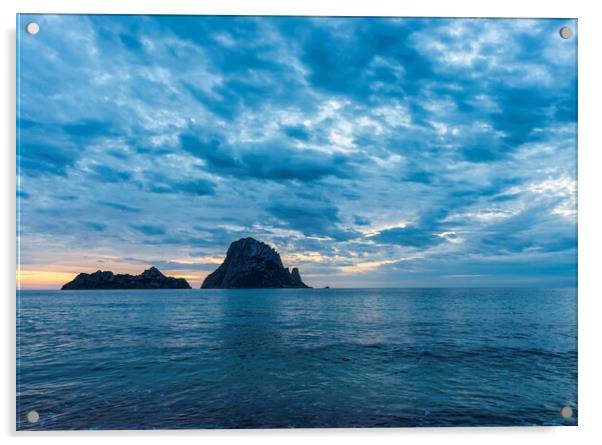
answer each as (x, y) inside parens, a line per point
(296, 358)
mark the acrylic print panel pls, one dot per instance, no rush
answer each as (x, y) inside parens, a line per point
(274, 222)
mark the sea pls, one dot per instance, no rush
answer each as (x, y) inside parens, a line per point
(296, 358)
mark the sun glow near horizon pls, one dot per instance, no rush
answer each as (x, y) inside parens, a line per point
(42, 279)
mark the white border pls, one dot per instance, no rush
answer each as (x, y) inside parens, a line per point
(590, 224)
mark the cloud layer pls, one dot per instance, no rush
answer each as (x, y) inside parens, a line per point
(370, 152)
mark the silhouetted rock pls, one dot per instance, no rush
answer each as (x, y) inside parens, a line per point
(252, 264)
(296, 277)
(149, 279)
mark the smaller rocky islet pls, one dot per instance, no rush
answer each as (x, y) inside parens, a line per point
(149, 279)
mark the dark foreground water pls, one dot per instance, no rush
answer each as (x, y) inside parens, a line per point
(296, 358)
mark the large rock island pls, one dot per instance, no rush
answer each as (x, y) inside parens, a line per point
(251, 264)
(149, 279)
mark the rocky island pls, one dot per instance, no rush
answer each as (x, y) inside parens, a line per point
(149, 279)
(251, 264)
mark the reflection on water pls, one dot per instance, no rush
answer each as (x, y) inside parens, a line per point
(296, 358)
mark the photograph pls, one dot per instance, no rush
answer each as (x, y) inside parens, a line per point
(274, 222)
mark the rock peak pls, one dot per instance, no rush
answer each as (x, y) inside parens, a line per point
(252, 264)
(250, 248)
(152, 273)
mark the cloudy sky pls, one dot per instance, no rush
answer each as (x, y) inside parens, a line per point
(369, 152)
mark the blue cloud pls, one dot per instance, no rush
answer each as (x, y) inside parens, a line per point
(271, 160)
(320, 135)
(149, 229)
(119, 206)
(407, 236)
(159, 182)
(130, 42)
(297, 132)
(88, 128)
(66, 197)
(108, 174)
(313, 218)
(96, 226)
(347, 62)
(39, 158)
(197, 188)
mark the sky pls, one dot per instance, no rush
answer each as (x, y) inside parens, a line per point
(370, 152)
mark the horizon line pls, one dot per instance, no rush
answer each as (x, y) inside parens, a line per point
(316, 287)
